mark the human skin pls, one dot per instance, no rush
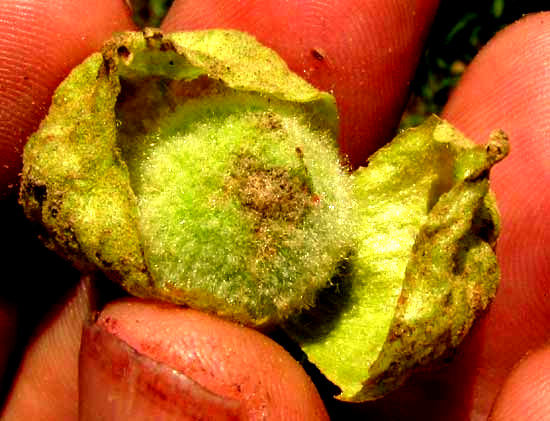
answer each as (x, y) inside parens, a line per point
(507, 86)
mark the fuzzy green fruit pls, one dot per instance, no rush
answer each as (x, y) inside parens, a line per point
(194, 168)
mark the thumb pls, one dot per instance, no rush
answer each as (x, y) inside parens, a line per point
(146, 360)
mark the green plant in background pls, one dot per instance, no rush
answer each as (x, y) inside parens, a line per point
(150, 12)
(460, 30)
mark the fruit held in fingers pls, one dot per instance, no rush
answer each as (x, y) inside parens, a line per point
(196, 168)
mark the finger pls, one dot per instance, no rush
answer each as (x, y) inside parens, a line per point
(45, 387)
(526, 392)
(508, 87)
(365, 52)
(192, 361)
(149, 390)
(40, 42)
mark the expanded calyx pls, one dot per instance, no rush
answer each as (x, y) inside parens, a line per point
(196, 168)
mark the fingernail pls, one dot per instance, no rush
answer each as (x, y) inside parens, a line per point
(117, 382)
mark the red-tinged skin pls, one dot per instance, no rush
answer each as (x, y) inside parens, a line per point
(506, 87)
(134, 386)
(364, 52)
(234, 361)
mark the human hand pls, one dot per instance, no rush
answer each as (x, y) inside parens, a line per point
(368, 66)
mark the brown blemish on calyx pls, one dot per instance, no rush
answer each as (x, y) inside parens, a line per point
(498, 146)
(271, 193)
(270, 121)
(124, 53)
(277, 199)
(153, 37)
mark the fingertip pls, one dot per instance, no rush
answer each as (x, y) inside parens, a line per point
(525, 394)
(116, 382)
(228, 360)
(40, 42)
(507, 83)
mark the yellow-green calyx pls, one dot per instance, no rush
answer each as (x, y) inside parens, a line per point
(197, 169)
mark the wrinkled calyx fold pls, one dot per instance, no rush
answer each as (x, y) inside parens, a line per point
(425, 266)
